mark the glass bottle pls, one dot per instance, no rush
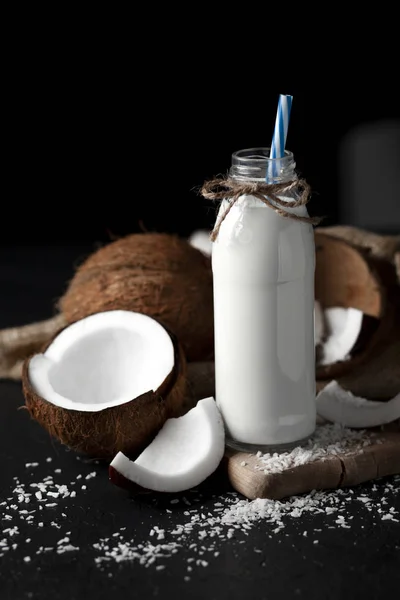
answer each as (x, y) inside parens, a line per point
(263, 269)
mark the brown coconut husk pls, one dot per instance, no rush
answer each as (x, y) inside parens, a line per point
(128, 428)
(157, 274)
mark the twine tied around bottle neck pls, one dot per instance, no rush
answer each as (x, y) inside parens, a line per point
(226, 188)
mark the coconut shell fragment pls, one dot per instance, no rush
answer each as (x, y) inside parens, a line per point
(157, 274)
(366, 280)
(346, 279)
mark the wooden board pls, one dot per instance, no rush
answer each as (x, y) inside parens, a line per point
(380, 458)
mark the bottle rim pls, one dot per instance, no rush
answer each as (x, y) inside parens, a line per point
(255, 164)
(259, 156)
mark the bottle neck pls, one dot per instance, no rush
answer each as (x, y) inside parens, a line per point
(255, 164)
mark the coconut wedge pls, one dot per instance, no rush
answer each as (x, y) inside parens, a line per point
(106, 383)
(340, 406)
(185, 452)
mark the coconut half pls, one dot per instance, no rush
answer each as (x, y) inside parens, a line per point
(338, 405)
(106, 383)
(185, 452)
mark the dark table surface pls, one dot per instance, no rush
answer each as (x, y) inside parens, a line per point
(360, 560)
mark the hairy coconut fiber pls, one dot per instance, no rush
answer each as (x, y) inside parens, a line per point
(128, 428)
(157, 274)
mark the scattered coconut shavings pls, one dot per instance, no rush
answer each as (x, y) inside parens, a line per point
(201, 528)
(11, 531)
(389, 517)
(67, 548)
(328, 440)
(203, 531)
(31, 503)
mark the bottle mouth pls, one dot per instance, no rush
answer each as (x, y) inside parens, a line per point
(259, 156)
(256, 164)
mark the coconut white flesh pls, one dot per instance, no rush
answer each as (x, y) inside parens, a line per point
(184, 453)
(342, 328)
(200, 239)
(341, 406)
(104, 360)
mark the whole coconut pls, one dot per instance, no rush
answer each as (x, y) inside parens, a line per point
(157, 274)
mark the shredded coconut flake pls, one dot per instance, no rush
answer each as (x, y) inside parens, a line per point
(328, 441)
(202, 530)
(231, 518)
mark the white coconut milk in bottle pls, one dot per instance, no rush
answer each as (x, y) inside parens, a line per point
(263, 269)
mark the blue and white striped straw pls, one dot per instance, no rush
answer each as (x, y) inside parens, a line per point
(280, 131)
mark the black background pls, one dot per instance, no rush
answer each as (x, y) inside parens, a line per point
(108, 135)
